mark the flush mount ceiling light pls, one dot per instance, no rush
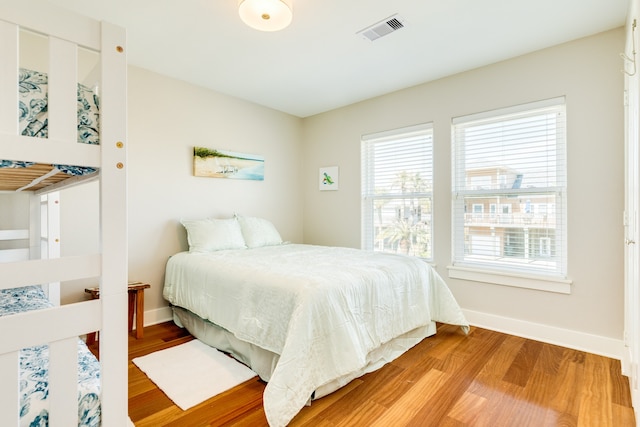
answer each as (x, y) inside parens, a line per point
(266, 15)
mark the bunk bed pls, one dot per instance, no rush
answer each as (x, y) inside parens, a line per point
(44, 114)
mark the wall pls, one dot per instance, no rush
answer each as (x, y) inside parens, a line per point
(14, 215)
(166, 119)
(587, 72)
(79, 233)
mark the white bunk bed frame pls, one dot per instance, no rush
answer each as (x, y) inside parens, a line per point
(59, 327)
(18, 254)
(40, 235)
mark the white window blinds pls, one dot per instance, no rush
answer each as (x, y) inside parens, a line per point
(397, 186)
(509, 189)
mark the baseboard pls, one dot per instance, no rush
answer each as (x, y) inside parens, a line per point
(158, 315)
(576, 340)
(596, 344)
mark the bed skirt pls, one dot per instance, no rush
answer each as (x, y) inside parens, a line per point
(263, 362)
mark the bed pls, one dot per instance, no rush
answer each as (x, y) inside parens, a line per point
(34, 366)
(307, 319)
(56, 132)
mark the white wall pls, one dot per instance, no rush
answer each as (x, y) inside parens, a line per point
(79, 233)
(14, 215)
(167, 118)
(587, 72)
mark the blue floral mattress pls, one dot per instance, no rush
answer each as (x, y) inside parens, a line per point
(34, 367)
(33, 113)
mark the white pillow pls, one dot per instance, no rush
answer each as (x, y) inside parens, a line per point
(259, 232)
(206, 235)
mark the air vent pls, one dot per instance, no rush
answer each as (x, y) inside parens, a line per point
(382, 28)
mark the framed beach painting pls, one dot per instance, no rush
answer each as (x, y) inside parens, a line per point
(328, 178)
(214, 163)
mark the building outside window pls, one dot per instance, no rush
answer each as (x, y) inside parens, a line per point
(518, 154)
(478, 211)
(397, 191)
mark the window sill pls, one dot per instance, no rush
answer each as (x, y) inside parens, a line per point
(540, 283)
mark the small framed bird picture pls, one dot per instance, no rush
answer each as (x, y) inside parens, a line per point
(328, 178)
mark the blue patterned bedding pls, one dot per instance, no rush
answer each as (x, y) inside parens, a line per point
(33, 108)
(34, 364)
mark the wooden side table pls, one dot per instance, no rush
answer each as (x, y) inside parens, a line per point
(136, 305)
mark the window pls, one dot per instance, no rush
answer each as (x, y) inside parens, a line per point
(397, 190)
(518, 154)
(545, 246)
(478, 211)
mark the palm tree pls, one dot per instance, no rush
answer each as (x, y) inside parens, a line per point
(400, 235)
(408, 232)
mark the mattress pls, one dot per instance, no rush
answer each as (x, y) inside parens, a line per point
(34, 367)
(323, 310)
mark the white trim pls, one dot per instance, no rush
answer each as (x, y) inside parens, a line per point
(67, 183)
(467, 148)
(14, 234)
(402, 132)
(113, 214)
(596, 344)
(63, 378)
(631, 218)
(14, 255)
(35, 227)
(52, 207)
(529, 106)
(540, 283)
(55, 151)
(37, 271)
(54, 324)
(62, 81)
(378, 158)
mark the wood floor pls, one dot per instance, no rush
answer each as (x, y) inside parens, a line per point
(483, 379)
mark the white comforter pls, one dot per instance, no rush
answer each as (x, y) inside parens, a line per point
(322, 309)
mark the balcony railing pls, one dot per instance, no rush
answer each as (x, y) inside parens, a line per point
(511, 220)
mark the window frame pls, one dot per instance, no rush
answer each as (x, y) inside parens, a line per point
(368, 195)
(508, 273)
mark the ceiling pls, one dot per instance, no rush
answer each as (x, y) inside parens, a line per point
(319, 62)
